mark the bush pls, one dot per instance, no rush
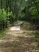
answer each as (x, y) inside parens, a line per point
(2, 17)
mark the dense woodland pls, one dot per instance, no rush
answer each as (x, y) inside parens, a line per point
(19, 25)
(13, 10)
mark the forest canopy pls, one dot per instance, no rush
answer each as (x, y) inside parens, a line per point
(13, 10)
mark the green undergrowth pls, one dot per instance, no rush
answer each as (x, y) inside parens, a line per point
(26, 27)
(16, 22)
(20, 21)
(31, 33)
(2, 32)
(9, 25)
(23, 32)
(34, 39)
(37, 34)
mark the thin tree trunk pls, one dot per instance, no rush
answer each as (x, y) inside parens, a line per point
(1, 4)
(6, 11)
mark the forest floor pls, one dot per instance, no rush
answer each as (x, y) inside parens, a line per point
(23, 40)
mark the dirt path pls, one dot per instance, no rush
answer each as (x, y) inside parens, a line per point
(18, 41)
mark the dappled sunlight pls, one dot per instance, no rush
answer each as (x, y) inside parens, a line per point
(19, 41)
(19, 25)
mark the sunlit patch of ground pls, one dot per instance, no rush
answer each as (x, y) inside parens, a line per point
(15, 28)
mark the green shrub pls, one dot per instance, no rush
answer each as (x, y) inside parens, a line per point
(2, 15)
(32, 33)
(34, 39)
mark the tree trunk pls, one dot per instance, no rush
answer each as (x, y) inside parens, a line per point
(1, 4)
